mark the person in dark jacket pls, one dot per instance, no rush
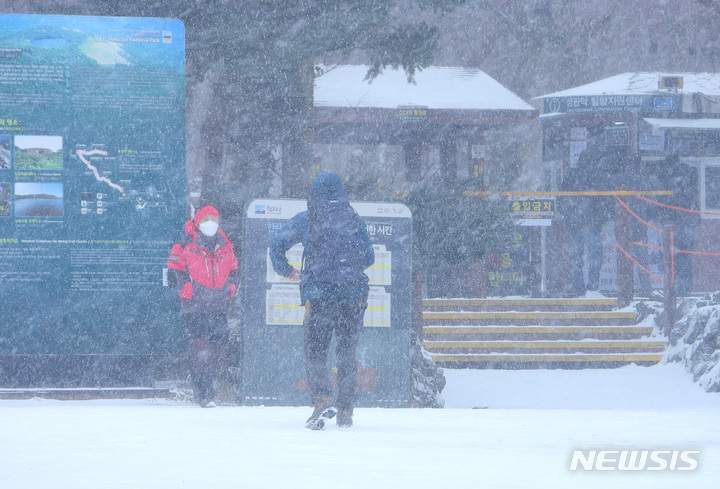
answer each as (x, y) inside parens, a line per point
(682, 179)
(635, 177)
(204, 271)
(585, 215)
(330, 307)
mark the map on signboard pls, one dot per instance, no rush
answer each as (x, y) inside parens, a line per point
(122, 188)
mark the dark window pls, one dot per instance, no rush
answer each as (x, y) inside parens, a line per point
(712, 188)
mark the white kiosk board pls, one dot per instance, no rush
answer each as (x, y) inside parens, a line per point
(272, 368)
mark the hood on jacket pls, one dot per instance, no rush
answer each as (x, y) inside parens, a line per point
(192, 224)
(328, 186)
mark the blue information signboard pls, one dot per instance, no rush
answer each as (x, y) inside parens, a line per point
(92, 183)
(612, 103)
(273, 370)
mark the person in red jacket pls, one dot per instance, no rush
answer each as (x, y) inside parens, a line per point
(204, 271)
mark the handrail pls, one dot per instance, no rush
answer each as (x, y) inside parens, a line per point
(563, 193)
(636, 262)
(636, 216)
(678, 208)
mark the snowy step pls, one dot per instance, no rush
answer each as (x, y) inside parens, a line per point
(569, 318)
(87, 370)
(536, 333)
(86, 393)
(550, 360)
(520, 304)
(533, 332)
(530, 347)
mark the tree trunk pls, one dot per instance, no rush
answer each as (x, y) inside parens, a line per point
(297, 168)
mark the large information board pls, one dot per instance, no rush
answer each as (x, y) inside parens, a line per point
(273, 369)
(92, 183)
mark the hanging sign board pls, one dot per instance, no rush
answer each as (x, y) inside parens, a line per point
(612, 103)
(412, 113)
(532, 212)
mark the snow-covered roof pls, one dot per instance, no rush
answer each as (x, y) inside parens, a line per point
(434, 88)
(658, 124)
(643, 84)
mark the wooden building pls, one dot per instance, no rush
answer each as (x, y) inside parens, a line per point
(394, 133)
(647, 117)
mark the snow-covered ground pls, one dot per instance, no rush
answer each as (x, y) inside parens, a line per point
(525, 438)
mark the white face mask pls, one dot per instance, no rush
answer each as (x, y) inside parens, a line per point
(208, 228)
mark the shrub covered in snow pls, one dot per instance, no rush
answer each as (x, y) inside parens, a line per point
(695, 340)
(428, 380)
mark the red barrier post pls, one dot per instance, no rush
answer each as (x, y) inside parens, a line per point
(670, 299)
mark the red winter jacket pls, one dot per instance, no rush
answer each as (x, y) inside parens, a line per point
(204, 271)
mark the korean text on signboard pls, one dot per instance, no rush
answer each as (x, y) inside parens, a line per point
(92, 181)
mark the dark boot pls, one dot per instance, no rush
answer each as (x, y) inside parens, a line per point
(321, 404)
(344, 418)
(323, 410)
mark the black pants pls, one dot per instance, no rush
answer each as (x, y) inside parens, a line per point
(344, 317)
(208, 340)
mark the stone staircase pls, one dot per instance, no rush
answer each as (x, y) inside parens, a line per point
(535, 333)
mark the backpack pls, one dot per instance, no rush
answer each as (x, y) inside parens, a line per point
(337, 248)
